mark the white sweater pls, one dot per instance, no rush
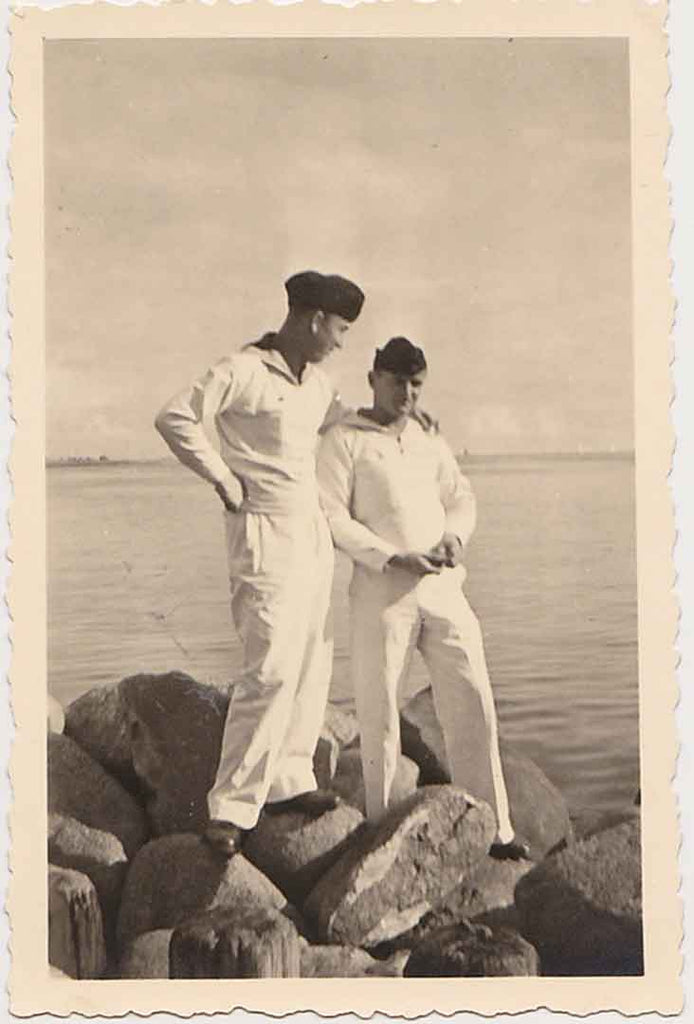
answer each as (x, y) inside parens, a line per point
(385, 495)
(268, 424)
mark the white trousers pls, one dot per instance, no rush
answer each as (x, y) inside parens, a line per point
(281, 570)
(392, 615)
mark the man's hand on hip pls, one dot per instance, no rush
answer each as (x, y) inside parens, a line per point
(413, 562)
(231, 493)
(448, 551)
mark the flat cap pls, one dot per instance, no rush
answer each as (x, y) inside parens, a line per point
(399, 355)
(330, 293)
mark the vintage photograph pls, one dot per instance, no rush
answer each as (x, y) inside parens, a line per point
(343, 659)
(392, 279)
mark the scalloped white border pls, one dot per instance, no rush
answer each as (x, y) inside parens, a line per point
(32, 990)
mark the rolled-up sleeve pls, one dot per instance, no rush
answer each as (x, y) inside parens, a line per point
(457, 496)
(181, 422)
(335, 468)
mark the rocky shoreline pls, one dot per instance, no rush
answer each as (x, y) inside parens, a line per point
(135, 893)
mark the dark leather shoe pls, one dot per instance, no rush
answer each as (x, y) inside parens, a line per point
(513, 850)
(224, 837)
(314, 803)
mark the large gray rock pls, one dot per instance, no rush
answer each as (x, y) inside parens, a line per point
(98, 722)
(75, 930)
(177, 877)
(235, 943)
(349, 781)
(422, 740)
(294, 850)
(146, 729)
(538, 811)
(99, 855)
(340, 730)
(348, 962)
(587, 823)
(581, 908)
(147, 956)
(391, 875)
(489, 888)
(325, 759)
(176, 727)
(80, 788)
(472, 951)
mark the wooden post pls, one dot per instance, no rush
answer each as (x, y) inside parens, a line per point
(75, 929)
(244, 943)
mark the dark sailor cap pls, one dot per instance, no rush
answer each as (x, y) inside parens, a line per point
(330, 293)
(400, 356)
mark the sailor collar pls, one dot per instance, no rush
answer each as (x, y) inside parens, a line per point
(361, 421)
(274, 360)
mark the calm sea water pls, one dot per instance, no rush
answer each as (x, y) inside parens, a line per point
(137, 583)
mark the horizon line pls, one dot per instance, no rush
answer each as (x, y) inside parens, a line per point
(464, 454)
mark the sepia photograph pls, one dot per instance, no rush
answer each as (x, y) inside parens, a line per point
(342, 590)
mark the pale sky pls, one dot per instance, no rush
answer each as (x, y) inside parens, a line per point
(477, 190)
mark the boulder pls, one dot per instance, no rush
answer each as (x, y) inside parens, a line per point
(80, 788)
(55, 716)
(538, 811)
(472, 951)
(340, 729)
(98, 722)
(99, 855)
(393, 873)
(147, 956)
(586, 823)
(294, 850)
(501, 917)
(325, 759)
(348, 962)
(422, 740)
(581, 908)
(235, 942)
(349, 781)
(177, 877)
(142, 727)
(75, 931)
(490, 887)
(176, 727)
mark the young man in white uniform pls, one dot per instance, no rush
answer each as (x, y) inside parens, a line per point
(399, 506)
(269, 402)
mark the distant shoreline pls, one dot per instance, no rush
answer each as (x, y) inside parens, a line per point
(78, 462)
(465, 458)
(472, 457)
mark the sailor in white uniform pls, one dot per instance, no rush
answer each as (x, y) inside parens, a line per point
(269, 402)
(399, 506)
